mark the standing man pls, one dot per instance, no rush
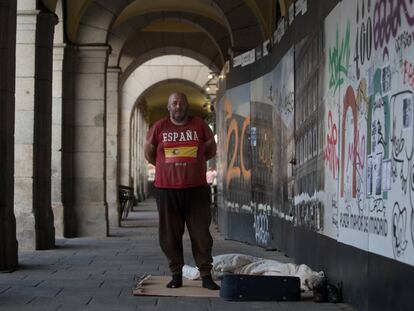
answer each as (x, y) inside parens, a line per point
(179, 146)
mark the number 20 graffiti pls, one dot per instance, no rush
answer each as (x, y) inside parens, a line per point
(233, 170)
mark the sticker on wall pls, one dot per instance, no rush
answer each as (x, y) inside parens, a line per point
(373, 135)
(291, 14)
(407, 112)
(370, 77)
(258, 52)
(253, 136)
(280, 31)
(378, 173)
(266, 47)
(386, 175)
(369, 176)
(304, 6)
(301, 6)
(386, 79)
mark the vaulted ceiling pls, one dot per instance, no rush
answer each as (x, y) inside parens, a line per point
(209, 31)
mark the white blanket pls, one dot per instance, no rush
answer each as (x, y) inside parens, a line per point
(244, 264)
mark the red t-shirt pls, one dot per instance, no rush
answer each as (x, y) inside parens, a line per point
(181, 159)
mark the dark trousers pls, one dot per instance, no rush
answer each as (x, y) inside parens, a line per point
(190, 206)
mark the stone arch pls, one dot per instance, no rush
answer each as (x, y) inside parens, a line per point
(244, 28)
(128, 101)
(140, 119)
(121, 34)
(209, 9)
(199, 43)
(162, 51)
(188, 83)
(99, 16)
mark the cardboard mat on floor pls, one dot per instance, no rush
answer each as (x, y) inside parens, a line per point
(156, 286)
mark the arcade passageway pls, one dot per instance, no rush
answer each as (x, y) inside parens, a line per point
(312, 107)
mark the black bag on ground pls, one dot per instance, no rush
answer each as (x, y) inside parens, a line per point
(260, 287)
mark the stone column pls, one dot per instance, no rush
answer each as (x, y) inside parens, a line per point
(142, 169)
(34, 216)
(69, 65)
(57, 205)
(8, 242)
(88, 154)
(133, 161)
(58, 52)
(142, 162)
(112, 95)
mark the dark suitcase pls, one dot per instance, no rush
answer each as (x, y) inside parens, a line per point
(260, 287)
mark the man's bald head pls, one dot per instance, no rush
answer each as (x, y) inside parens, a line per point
(178, 108)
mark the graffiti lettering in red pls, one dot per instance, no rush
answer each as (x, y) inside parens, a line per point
(349, 103)
(408, 73)
(356, 152)
(331, 157)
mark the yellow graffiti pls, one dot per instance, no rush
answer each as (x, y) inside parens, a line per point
(362, 96)
(246, 173)
(234, 171)
(228, 109)
(265, 148)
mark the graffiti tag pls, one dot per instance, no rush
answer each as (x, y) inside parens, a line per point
(363, 40)
(339, 60)
(349, 103)
(408, 73)
(387, 19)
(399, 225)
(331, 156)
(261, 228)
(403, 41)
(234, 170)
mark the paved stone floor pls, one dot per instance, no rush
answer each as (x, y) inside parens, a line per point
(98, 274)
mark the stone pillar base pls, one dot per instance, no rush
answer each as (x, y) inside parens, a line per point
(25, 230)
(57, 208)
(94, 223)
(113, 215)
(8, 249)
(45, 238)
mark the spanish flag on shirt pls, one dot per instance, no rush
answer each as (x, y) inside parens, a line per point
(180, 152)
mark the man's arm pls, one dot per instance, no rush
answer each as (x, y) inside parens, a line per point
(210, 149)
(150, 152)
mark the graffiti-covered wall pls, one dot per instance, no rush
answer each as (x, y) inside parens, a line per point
(317, 152)
(368, 95)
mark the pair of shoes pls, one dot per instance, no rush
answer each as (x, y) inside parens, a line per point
(176, 282)
(207, 282)
(325, 292)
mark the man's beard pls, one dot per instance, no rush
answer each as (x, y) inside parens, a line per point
(179, 117)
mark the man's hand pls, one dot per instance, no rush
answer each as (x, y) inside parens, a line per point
(150, 152)
(210, 149)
